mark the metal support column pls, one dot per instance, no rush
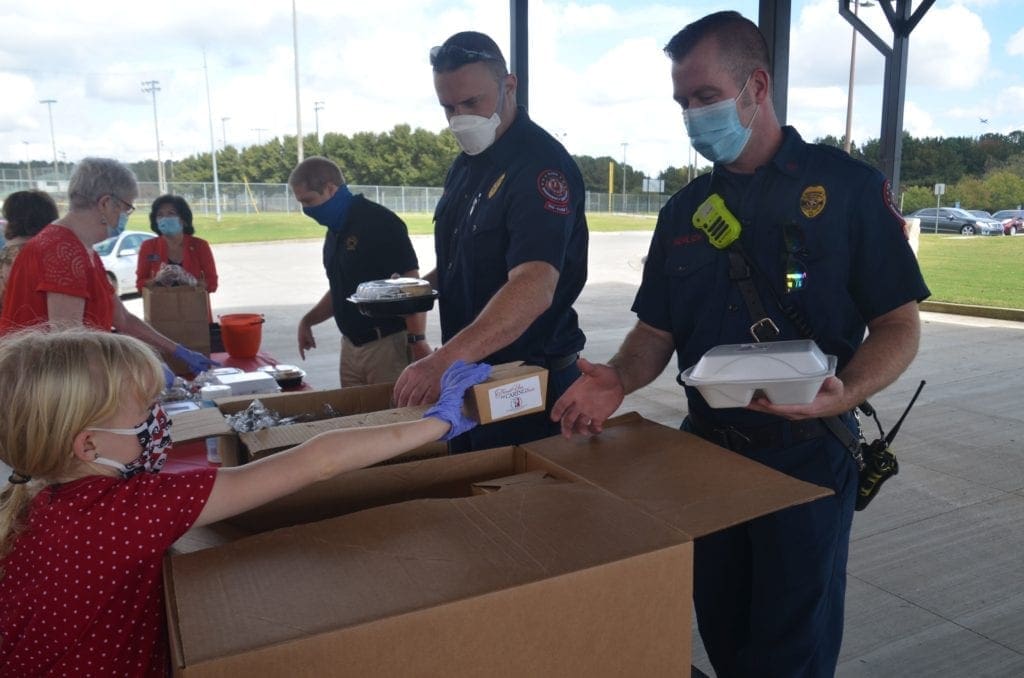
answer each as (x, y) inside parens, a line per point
(902, 20)
(773, 20)
(519, 59)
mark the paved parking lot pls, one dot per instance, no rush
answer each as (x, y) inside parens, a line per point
(936, 574)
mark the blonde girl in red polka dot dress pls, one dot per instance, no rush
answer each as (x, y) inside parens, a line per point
(86, 517)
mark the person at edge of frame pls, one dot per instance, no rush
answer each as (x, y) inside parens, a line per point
(822, 238)
(511, 240)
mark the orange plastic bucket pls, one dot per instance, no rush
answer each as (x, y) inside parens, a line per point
(242, 334)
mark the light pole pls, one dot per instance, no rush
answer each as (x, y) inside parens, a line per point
(49, 106)
(259, 134)
(224, 130)
(213, 149)
(853, 61)
(28, 159)
(624, 144)
(298, 104)
(317, 107)
(152, 87)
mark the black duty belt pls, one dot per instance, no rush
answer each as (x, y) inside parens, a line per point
(748, 439)
(372, 334)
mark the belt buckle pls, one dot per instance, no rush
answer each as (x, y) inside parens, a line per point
(765, 324)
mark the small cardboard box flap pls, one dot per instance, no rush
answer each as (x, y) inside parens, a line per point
(393, 560)
(684, 480)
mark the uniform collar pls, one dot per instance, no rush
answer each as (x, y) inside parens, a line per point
(791, 157)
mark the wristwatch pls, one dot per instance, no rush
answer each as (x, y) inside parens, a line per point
(415, 338)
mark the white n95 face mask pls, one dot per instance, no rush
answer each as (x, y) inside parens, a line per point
(475, 133)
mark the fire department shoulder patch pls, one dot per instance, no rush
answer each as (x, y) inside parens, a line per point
(351, 243)
(887, 199)
(812, 201)
(554, 188)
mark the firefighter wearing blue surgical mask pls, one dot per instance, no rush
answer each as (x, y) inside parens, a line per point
(781, 235)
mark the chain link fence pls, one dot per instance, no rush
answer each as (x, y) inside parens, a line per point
(245, 198)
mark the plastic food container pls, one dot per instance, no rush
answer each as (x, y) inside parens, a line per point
(787, 372)
(393, 297)
(286, 376)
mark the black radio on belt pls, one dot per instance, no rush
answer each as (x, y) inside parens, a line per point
(879, 462)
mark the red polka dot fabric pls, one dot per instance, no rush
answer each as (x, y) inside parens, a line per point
(82, 591)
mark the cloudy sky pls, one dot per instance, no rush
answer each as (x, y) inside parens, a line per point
(597, 73)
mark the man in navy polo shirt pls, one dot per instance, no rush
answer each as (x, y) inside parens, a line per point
(511, 240)
(825, 255)
(364, 241)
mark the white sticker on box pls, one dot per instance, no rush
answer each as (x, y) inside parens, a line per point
(516, 397)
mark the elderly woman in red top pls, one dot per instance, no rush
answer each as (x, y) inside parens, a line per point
(59, 280)
(170, 217)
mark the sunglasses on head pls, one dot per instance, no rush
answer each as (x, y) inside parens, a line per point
(451, 56)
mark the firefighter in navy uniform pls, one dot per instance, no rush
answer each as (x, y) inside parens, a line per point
(825, 256)
(511, 241)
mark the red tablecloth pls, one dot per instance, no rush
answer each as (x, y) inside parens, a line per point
(192, 454)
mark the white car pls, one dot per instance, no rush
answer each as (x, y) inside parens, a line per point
(120, 254)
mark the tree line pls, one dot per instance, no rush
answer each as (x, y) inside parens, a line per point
(985, 172)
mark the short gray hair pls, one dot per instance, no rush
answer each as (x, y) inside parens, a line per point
(94, 178)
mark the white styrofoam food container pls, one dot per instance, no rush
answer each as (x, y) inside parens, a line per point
(787, 372)
(245, 383)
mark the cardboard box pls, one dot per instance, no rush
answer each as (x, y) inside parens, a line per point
(181, 314)
(512, 391)
(402, 570)
(336, 409)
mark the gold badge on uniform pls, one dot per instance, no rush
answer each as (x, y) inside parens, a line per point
(495, 186)
(812, 201)
(351, 243)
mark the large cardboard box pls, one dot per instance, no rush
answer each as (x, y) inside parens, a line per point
(345, 408)
(583, 567)
(181, 314)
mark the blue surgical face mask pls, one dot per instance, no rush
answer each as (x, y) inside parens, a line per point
(122, 221)
(169, 225)
(332, 212)
(716, 131)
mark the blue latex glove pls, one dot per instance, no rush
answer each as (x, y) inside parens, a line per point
(454, 382)
(168, 375)
(197, 362)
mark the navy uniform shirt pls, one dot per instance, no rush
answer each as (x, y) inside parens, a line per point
(812, 209)
(372, 244)
(520, 200)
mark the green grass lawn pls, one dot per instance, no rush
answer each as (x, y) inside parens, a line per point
(978, 270)
(282, 226)
(984, 271)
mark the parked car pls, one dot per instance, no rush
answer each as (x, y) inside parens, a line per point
(1013, 221)
(120, 254)
(956, 220)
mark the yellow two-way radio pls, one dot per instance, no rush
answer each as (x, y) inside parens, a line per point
(715, 220)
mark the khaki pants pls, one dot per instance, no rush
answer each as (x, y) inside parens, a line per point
(376, 362)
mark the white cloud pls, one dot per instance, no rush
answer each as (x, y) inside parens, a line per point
(1015, 45)
(949, 49)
